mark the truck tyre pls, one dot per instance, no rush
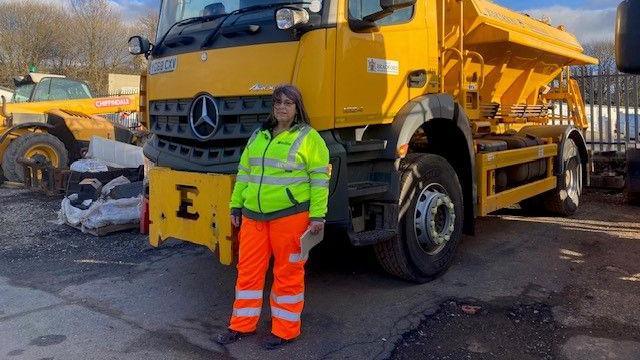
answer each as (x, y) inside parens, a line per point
(565, 199)
(430, 220)
(37, 146)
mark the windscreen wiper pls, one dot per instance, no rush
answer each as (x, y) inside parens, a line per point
(187, 21)
(214, 34)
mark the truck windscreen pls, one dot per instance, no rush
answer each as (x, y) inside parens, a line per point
(173, 11)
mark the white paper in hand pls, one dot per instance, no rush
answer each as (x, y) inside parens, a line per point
(308, 241)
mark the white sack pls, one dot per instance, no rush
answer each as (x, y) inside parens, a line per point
(89, 165)
(115, 152)
(101, 213)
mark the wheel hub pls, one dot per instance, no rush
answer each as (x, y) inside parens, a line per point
(434, 219)
(42, 153)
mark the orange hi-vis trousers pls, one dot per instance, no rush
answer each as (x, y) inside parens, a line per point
(258, 241)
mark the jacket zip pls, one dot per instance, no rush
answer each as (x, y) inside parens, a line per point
(262, 175)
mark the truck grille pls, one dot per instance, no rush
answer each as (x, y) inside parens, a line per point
(238, 117)
(175, 145)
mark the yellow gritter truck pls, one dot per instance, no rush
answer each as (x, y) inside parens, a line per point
(435, 113)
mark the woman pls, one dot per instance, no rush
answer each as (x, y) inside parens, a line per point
(281, 191)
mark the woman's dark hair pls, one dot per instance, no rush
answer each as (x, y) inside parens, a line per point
(292, 93)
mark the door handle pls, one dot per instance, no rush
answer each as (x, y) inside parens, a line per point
(417, 78)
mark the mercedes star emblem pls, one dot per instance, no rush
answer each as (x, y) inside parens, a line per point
(203, 117)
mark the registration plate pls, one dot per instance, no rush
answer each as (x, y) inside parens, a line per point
(164, 65)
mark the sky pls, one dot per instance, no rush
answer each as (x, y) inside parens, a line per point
(588, 19)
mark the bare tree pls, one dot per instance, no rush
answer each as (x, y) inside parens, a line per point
(31, 33)
(604, 51)
(84, 39)
(146, 26)
(100, 40)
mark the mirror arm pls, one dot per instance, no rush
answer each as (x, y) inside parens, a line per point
(377, 16)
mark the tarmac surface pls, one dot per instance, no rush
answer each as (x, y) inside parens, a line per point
(524, 287)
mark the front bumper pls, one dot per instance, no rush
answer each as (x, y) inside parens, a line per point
(192, 207)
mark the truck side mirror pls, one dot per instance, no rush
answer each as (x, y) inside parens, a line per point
(388, 7)
(139, 45)
(628, 37)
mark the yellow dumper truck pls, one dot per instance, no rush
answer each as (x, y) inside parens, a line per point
(51, 119)
(435, 113)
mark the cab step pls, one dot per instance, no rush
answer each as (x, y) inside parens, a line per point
(365, 150)
(366, 188)
(353, 146)
(371, 237)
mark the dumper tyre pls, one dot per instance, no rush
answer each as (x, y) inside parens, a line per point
(427, 182)
(35, 146)
(565, 198)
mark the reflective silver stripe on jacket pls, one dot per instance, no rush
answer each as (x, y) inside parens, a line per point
(284, 314)
(243, 178)
(254, 135)
(288, 299)
(293, 151)
(246, 312)
(272, 180)
(276, 164)
(244, 169)
(248, 294)
(321, 171)
(319, 182)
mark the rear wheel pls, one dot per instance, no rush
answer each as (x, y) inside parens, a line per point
(41, 147)
(430, 224)
(565, 198)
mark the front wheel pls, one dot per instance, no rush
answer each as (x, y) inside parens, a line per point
(430, 223)
(36, 146)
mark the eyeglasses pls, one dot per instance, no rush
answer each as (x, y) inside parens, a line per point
(283, 102)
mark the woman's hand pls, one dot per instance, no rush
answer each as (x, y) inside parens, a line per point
(316, 227)
(235, 220)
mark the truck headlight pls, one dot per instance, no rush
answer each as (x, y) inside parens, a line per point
(287, 18)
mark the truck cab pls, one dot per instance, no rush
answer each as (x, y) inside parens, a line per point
(434, 112)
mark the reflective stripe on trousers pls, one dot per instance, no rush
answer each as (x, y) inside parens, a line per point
(287, 299)
(259, 240)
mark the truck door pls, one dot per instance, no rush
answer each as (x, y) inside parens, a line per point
(372, 65)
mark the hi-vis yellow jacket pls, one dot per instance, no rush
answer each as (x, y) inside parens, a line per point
(284, 175)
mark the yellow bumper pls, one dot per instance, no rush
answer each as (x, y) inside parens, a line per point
(191, 207)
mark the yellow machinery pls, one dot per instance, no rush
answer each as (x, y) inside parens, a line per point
(435, 112)
(51, 119)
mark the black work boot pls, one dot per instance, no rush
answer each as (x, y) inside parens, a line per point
(274, 342)
(229, 337)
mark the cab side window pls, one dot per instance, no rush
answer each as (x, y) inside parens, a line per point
(42, 90)
(358, 9)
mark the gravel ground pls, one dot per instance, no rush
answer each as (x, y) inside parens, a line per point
(594, 317)
(525, 287)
